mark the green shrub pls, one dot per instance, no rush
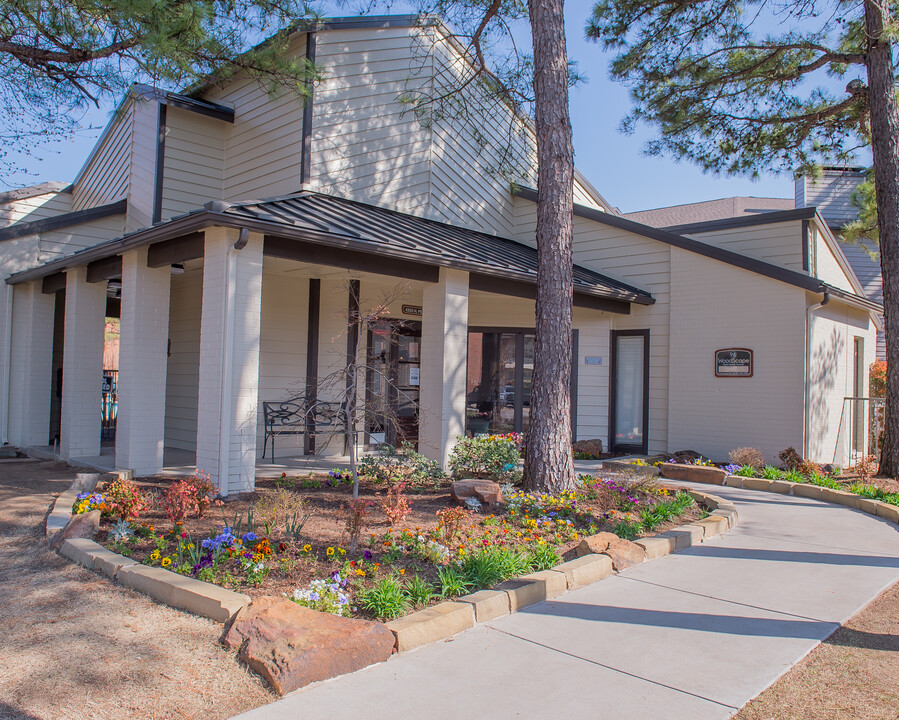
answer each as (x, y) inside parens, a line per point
(386, 599)
(627, 529)
(491, 565)
(769, 472)
(418, 590)
(652, 517)
(452, 582)
(746, 471)
(824, 481)
(494, 457)
(544, 557)
(390, 464)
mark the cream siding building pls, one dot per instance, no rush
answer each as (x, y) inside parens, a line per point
(234, 230)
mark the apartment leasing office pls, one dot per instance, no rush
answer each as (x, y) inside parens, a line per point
(232, 230)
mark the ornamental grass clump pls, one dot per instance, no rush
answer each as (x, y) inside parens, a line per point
(386, 599)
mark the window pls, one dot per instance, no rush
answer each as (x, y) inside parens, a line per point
(629, 391)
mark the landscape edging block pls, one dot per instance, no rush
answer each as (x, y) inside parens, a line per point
(487, 604)
(434, 623)
(585, 570)
(657, 546)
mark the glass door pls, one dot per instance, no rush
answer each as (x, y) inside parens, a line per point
(629, 406)
(393, 383)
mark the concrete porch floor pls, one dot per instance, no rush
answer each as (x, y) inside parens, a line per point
(183, 462)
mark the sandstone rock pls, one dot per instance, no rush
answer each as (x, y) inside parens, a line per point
(594, 447)
(85, 482)
(623, 553)
(291, 646)
(487, 491)
(84, 525)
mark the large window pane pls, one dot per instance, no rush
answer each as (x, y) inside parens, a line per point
(629, 390)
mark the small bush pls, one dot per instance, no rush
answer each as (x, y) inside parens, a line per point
(355, 516)
(278, 507)
(452, 582)
(627, 529)
(747, 457)
(123, 499)
(544, 557)
(390, 464)
(494, 457)
(807, 467)
(418, 590)
(449, 523)
(395, 504)
(789, 458)
(745, 471)
(769, 472)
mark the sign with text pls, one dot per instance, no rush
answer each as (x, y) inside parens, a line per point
(733, 362)
(592, 360)
(411, 309)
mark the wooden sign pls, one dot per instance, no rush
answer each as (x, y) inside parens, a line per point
(733, 362)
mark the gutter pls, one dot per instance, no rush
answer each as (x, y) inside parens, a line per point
(806, 430)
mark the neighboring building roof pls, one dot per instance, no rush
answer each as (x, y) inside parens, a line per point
(23, 229)
(33, 191)
(688, 213)
(355, 227)
(776, 272)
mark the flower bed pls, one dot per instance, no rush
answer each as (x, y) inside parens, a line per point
(398, 548)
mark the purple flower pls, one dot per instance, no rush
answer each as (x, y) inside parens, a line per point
(367, 555)
(249, 537)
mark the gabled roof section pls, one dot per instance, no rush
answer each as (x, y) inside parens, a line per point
(44, 188)
(23, 229)
(710, 210)
(775, 272)
(357, 227)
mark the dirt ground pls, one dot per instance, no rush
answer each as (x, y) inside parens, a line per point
(75, 646)
(850, 676)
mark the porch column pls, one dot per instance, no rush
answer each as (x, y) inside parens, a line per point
(82, 365)
(229, 359)
(140, 421)
(444, 344)
(31, 365)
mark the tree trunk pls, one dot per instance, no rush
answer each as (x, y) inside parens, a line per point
(548, 462)
(885, 150)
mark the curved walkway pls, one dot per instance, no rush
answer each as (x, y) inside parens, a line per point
(689, 636)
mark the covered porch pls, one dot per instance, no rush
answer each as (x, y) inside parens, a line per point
(235, 308)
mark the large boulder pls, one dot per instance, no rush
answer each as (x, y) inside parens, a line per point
(291, 646)
(85, 482)
(84, 525)
(486, 491)
(623, 553)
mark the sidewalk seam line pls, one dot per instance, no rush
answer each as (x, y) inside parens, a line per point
(614, 669)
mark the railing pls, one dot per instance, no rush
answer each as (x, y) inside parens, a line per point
(861, 430)
(109, 404)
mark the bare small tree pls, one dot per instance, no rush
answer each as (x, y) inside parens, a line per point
(345, 385)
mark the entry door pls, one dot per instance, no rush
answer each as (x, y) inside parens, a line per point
(629, 392)
(393, 383)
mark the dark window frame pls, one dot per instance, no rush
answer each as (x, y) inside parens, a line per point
(643, 447)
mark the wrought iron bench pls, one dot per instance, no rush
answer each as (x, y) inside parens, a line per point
(297, 417)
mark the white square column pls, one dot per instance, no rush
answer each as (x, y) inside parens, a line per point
(143, 345)
(229, 360)
(444, 362)
(82, 365)
(31, 365)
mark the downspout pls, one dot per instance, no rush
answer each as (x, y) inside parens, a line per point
(806, 441)
(7, 361)
(227, 361)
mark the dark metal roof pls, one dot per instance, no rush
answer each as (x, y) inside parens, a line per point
(354, 226)
(395, 232)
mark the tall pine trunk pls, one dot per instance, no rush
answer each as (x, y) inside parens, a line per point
(548, 461)
(885, 150)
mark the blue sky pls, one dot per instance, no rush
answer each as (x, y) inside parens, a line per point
(614, 163)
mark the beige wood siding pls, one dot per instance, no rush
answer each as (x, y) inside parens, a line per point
(827, 267)
(716, 306)
(777, 243)
(366, 145)
(262, 147)
(831, 372)
(194, 161)
(106, 177)
(34, 208)
(58, 243)
(142, 185)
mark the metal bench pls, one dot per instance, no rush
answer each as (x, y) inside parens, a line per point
(297, 417)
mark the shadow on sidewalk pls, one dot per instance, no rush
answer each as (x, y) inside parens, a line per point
(704, 622)
(815, 558)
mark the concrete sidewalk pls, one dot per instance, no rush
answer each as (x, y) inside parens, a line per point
(690, 636)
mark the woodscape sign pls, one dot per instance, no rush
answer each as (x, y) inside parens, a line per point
(733, 362)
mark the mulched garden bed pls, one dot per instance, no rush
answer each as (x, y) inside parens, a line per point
(293, 536)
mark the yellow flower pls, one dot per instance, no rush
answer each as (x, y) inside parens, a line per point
(154, 555)
(307, 547)
(166, 561)
(330, 552)
(361, 573)
(257, 557)
(402, 571)
(341, 551)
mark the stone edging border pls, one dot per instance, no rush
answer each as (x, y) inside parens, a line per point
(437, 622)
(815, 492)
(445, 619)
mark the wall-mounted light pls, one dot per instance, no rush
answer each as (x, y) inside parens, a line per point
(177, 269)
